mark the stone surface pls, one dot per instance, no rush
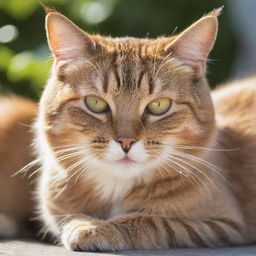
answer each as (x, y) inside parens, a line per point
(34, 248)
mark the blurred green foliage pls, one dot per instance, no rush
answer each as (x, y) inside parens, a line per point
(25, 59)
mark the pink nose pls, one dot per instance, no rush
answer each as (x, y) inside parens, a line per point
(126, 143)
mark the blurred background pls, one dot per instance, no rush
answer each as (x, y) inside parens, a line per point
(25, 58)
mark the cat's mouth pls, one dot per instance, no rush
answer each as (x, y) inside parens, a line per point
(126, 161)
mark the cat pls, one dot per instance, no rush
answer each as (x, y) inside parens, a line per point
(132, 157)
(16, 200)
(135, 153)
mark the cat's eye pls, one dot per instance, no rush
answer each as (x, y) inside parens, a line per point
(159, 106)
(96, 104)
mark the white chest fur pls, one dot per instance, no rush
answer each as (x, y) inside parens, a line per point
(111, 189)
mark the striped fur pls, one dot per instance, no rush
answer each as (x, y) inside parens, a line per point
(182, 188)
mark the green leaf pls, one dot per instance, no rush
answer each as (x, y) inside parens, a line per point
(5, 57)
(21, 9)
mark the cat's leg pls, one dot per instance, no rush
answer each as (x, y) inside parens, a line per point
(8, 227)
(137, 231)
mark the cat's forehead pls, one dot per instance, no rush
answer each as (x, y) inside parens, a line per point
(135, 66)
(126, 69)
(133, 47)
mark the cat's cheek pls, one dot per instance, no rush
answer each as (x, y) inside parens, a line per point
(114, 152)
(137, 152)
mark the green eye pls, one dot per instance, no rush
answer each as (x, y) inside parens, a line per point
(159, 106)
(96, 104)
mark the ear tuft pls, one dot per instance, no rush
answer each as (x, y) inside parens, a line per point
(216, 12)
(47, 9)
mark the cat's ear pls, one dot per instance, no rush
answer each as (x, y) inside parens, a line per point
(194, 44)
(66, 40)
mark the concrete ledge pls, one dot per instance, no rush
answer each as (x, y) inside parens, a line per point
(35, 248)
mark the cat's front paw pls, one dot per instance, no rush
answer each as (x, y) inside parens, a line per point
(87, 235)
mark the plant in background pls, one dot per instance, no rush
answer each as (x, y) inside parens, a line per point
(24, 55)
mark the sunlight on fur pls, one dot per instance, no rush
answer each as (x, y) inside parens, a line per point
(134, 151)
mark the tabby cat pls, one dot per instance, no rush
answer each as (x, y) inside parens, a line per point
(16, 200)
(134, 153)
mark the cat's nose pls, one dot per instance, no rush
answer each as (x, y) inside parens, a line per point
(126, 143)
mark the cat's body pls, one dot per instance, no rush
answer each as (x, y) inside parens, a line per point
(131, 154)
(226, 206)
(16, 118)
(235, 107)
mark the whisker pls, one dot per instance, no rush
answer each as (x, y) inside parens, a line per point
(203, 162)
(165, 58)
(25, 125)
(35, 172)
(205, 148)
(90, 63)
(165, 170)
(76, 172)
(67, 156)
(70, 177)
(190, 174)
(174, 30)
(202, 148)
(66, 171)
(162, 65)
(68, 149)
(72, 167)
(85, 169)
(200, 171)
(26, 167)
(71, 145)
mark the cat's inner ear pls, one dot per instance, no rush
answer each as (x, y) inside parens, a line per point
(194, 44)
(66, 40)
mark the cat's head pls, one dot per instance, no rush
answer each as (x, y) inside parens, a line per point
(127, 105)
